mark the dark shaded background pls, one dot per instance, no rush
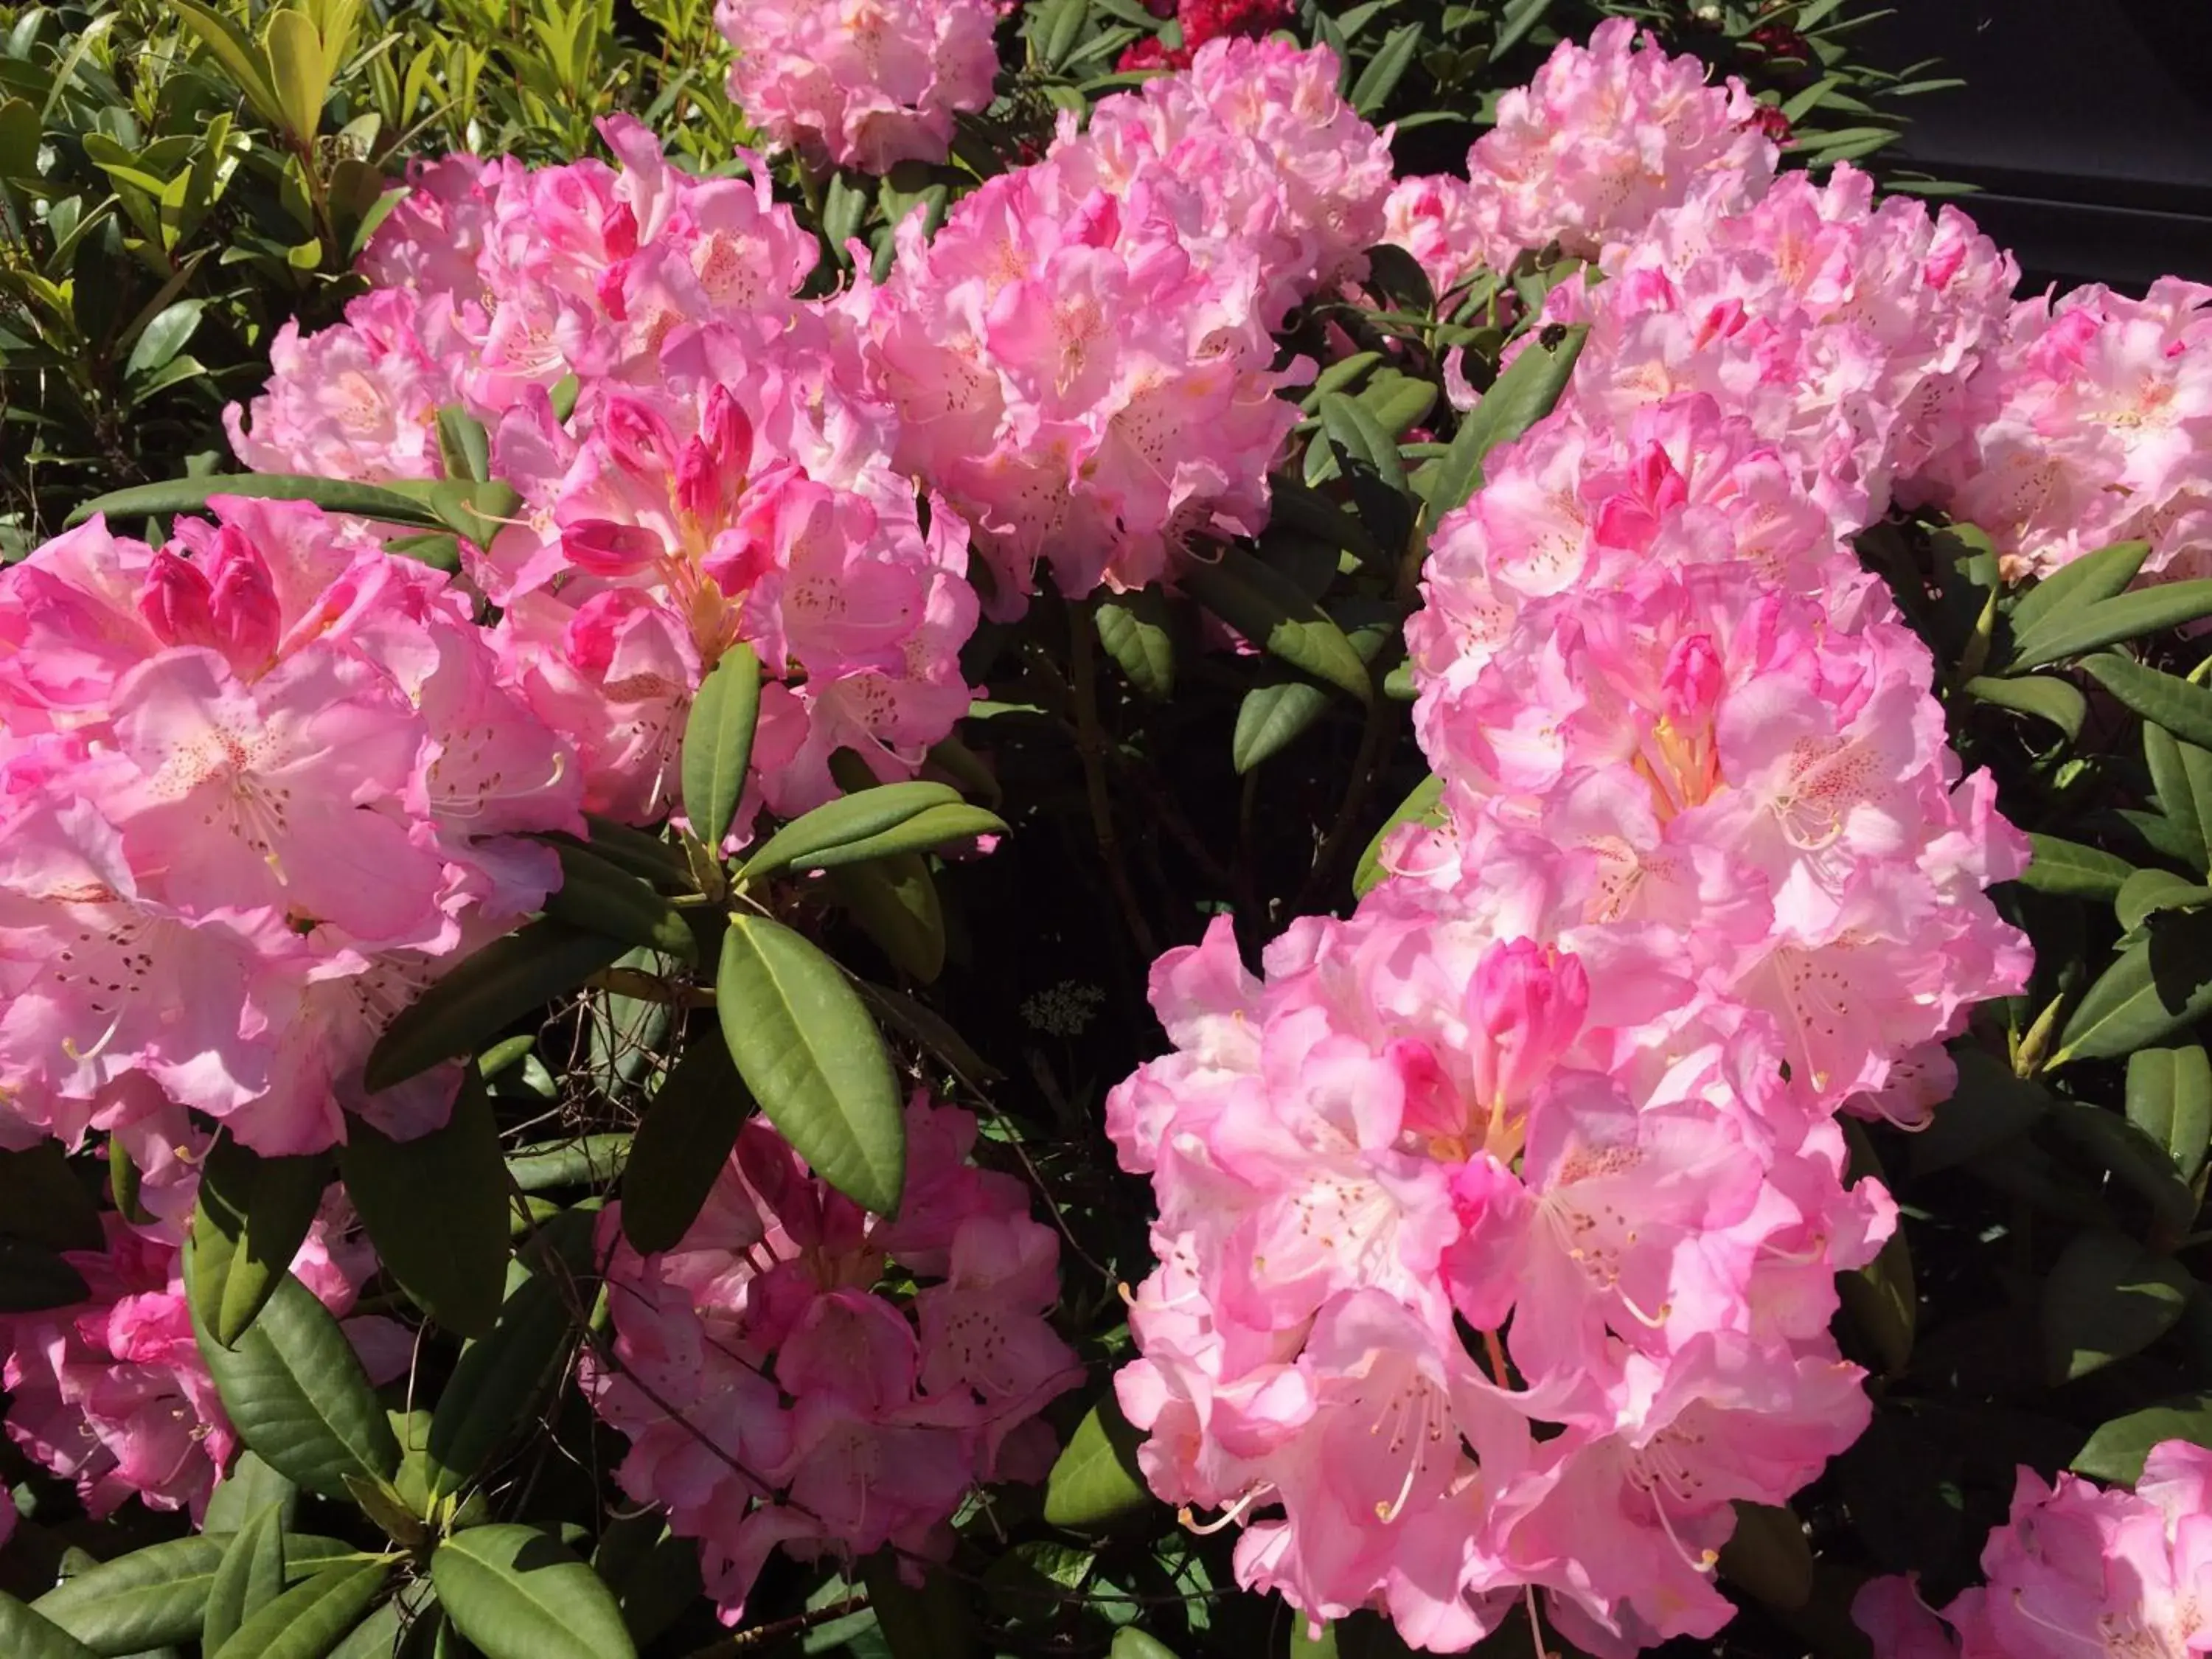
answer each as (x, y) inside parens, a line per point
(2088, 123)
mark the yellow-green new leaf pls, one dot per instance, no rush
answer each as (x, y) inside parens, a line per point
(804, 1043)
(297, 70)
(308, 1621)
(1096, 1482)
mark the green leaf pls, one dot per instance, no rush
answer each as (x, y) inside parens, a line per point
(2116, 1144)
(1358, 436)
(251, 1576)
(895, 902)
(297, 70)
(1990, 1107)
(849, 821)
(2160, 985)
(308, 1621)
(25, 1634)
(1133, 628)
(2071, 631)
(517, 1594)
(2148, 891)
(463, 445)
(718, 743)
(175, 495)
(599, 896)
(585, 1161)
(929, 1623)
(2174, 768)
(296, 1394)
(253, 1215)
(2170, 1099)
(1522, 396)
(1386, 69)
(805, 1047)
(681, 1145)
(1424, 805)
(2115, 1452)
(1397, 402)
(1271, 718)
(2107, 1298)
(376, 1636)
(501, 1382)
(158, 1595)
(2073, 870)
(647, 857)
(1268, 609)
(249, 1486)
(2039, 694)
(241, 58)
(2182, 709)
(484, 993)
(435, 1208)
(1095, 1483)
(163, 338)
(1767, 1555)
(2091, 577)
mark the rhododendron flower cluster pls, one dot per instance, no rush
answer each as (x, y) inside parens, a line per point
(1604, 137)
(722, 478)
(260, 785)
(862, 83)
(2077, 1569)
(2091, 424)
(775, 1392)
(112, 1394)
(1081, 358)
(1498, 1225)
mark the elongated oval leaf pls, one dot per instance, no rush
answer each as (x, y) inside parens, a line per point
(596, 895)
(2040, 695)
(1095, 1482)
(2093, 576)
(253, 1216)
(2070, 632)
(1524, 394)
(682, 1145)
(2170, 1100)
(1271, 718)
(586, 1161)
(2158, 986)
(516, 1594)
(193, 494)
(463, 444)
(2067, 868)
(249, 1486)
(2169, 777)
(297, 71)
(158, 1595)
(894, 901)
(841, 823)
(241, 59)
(1130, 1643)
(486, 993)
(376, 1636)
(1386, 69)
(647, 857)
(2140, 1162)
(296, 1394)
(1268, 609)
(500, 1380)
(2115, 1452)
(249, 1577)
(932, 827)
(25, 1634)
(2107, 1298)
(718, 743)
(2148, 891)
(1357, 434)
(1133, 628)
(2182, 708)
(435, 1208)
(804, 1043)
(309, 1620)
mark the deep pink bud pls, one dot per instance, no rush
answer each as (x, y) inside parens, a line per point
(710, 475)
(247, 615)
(177, 601)
(1691, 682)
(606, 548)
(637, 439)
(621, 232)
(1529, 1002)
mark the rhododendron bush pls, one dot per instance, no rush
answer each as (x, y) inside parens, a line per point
(1072, 828)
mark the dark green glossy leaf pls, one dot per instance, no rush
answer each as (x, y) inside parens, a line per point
(25, 1634)
(1767, 1555)
(296, 1395)
(2116, 1144)
(2148, 891)
(849, 821)
(1356, 433)
(435, 1207)
(463, 444)
(1989, 1107)
(158, 1595)
(253, 1216)
(2115, 1452)
(1386, 69)
(2039, 694)
(501, 1382)
(2106, 1298)
(682, 1144)
(1522, 396)
(249, 1577)
(600, 897)
(191, 495)
(2073, 870)
(475, 1003)
(1095, 1483)
(2160, 985)
(932, 1622)
(43, 1203)
(517, 1594)
(804, 1043)
(895, 902)
(1268, 610)
(718, 743)
(2088, 580)
(2070, 632)
(2170, 1100)
(309, 1620)
(1133, 628)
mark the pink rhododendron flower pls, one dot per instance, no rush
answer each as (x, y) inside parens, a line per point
(258, 785)
(862, 83)
(1604, 137)
(113, 1393)
(2090, 426)
(1444, 222)
(773, 1396)
(2077, 1568)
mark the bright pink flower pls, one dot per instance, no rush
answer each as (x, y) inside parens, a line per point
(774, 1396)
